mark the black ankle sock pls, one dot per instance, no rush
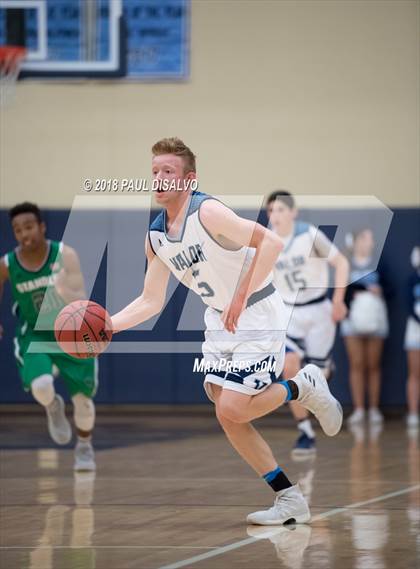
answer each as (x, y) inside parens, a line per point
(294, 390)
(280, 482)
(277, 480)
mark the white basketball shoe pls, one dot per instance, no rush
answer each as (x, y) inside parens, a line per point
(289, 506)
(315, 395)
(58, 426)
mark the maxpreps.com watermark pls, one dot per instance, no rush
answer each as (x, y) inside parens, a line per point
(136, 185)
(228, 366)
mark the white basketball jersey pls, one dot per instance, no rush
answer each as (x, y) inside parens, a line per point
(197, 260)
(301, 272)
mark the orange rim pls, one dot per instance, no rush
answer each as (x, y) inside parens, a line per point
(11, 56)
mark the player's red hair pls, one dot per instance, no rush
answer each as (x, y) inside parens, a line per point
(175, 146)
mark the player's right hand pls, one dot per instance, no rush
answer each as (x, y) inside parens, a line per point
(232, 312)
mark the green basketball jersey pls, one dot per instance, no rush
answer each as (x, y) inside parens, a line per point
(35, 299)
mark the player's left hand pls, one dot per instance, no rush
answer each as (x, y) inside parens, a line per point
(231, 313)
(339, 310)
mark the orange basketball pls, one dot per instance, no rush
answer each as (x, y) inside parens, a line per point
(83, 329)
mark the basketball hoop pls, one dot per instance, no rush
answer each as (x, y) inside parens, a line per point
(11, 57)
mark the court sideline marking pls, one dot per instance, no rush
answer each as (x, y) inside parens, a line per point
(249, 540)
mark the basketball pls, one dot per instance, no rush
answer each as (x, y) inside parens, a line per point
(83, 329)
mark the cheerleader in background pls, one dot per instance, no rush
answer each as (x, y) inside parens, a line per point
(412, 341)
(365, 328)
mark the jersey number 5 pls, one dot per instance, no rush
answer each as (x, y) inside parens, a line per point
(207, 288)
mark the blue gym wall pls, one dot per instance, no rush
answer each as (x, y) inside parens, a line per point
(168, 378)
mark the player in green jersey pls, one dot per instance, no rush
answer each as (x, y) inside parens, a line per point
(44, 276)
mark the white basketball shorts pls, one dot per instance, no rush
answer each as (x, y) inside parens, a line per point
(252, 358)
(311, 332)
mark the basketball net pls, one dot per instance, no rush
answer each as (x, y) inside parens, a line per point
(11, 57)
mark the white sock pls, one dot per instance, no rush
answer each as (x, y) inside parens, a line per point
(306, 427)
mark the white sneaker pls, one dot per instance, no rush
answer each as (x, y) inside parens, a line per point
(289, 505)
(84, 457)
(357, 417)
(412, 421)
(315, 395)
(58, 426)
(375, 416)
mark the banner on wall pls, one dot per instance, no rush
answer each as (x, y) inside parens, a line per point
(157, 38)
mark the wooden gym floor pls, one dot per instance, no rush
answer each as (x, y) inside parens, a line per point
(170, 492)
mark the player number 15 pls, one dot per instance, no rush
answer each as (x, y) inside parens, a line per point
(295, 281)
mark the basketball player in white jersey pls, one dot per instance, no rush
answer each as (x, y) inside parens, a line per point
(228, 261)
(301, 274)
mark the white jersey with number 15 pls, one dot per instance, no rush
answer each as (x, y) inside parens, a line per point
(301, 272)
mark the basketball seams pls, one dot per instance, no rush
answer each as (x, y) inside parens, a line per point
(87, 310)
(70, 315)
(104, 321)
(58, 337)
(76, 343)
(62, 329)
(93, 332)
(73, 313)
(90, 310)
